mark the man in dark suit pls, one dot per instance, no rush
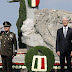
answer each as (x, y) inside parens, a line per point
(64, 45)
(8, 42)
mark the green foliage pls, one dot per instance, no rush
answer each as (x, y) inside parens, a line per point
(22, 17)
(43, 51)
(29, 2)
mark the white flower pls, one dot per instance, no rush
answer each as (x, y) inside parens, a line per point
(20, 66)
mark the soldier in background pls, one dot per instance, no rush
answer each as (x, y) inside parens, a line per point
(8, 42)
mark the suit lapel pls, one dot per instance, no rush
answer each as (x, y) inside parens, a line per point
(63, 33)
(67, 32)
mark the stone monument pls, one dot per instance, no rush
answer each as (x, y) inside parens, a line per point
(42, 28)
(28, 27)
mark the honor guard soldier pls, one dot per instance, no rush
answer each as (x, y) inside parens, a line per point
(8, 43)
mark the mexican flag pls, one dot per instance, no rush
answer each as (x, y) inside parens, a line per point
(34, 3)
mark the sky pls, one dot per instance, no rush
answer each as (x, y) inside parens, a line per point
(10, 11)
(56, 4)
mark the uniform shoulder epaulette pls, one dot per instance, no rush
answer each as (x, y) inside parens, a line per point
(12, 32)
(2, 32)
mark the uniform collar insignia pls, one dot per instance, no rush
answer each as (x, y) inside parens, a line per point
(7, 32)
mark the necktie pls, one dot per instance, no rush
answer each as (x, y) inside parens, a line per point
(65, 33)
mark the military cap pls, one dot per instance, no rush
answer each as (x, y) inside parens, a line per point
(7, 24)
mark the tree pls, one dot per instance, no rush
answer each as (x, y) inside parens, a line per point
(22, 17)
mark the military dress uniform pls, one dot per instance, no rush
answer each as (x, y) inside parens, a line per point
(8, 42)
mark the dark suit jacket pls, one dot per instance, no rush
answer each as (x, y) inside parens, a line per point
(64, 44)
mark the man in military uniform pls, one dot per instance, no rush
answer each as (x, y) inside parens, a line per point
(8, 42)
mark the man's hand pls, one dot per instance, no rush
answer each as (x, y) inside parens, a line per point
(14, 54)
(1, 27)
(71, 53)
(58, 53)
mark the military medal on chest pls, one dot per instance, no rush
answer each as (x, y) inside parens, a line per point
(8, 38)
(11, 35)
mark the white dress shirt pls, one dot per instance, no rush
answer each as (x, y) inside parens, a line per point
(64, 30)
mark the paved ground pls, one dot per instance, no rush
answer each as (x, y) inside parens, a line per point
(18, 70)
(13, 70)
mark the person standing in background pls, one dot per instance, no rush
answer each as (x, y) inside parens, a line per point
(64, 45)
(8, 42)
